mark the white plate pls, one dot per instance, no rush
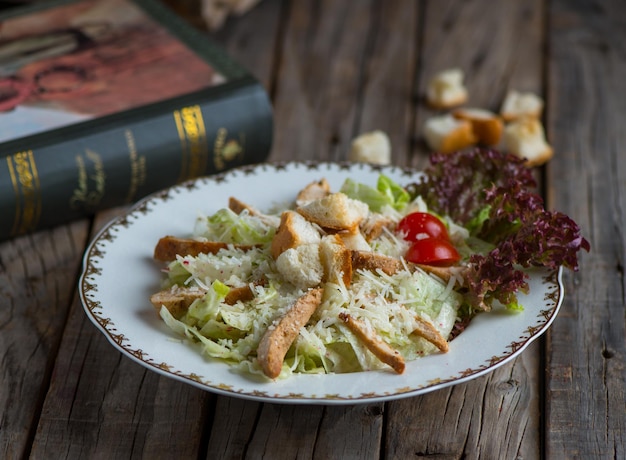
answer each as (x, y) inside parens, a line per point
(119, 276)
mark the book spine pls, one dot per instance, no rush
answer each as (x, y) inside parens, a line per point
(71, 174)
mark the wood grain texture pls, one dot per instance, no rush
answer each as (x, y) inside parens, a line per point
(252, 39)
(317, 80)
(586, 399)
(235, 421)
(494, 416)
(295, 431)
(37, 276)
(386, 86)
(103, 404)
(352, 432)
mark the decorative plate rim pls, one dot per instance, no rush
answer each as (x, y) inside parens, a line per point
(109, 233)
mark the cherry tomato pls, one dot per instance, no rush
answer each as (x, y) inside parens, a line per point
(418, 223)
(432, 251)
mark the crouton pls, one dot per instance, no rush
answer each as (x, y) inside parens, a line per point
(374, 224)
(301, 265)
(335, 212)
(313, 191)
(372, 147)
(354, 240)
(336, 260)
(427, 330)
(517, 105)
(444, 273)
(176, 299)
(447, 134)
(374, 343)
(279, 336)
(169, 247)
(238, 206)
(525, 138)
(241, 293)
(486, 125)
(371, 261)
(293, 231)
(446, 89)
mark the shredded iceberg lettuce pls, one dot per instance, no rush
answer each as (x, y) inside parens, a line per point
(387, 303)
(232, 266)
(227, 226)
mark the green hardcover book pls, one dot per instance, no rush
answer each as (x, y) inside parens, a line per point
(105, 101)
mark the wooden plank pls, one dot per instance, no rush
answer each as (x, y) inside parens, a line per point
(482, 416)
(586, 383)
(101, 402)
(253, 430)
(351, 432)
(386, 86)
(497, 413)
(252, 38)
(235, 421)
(317, 88)
(37, 276)
(284, 431)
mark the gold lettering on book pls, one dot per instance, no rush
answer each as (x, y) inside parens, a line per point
(25, 180)
(226, 150)
(137, 167)
(91, 183)
(193, 142)
(220, 140)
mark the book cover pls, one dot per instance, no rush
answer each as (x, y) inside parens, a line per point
(105, 101)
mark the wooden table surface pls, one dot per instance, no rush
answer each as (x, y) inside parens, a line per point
(335, 69)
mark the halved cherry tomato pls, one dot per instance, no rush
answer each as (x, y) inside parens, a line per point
(418, 223)
(432, 251)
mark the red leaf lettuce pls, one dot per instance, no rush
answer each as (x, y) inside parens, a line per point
(491, 194)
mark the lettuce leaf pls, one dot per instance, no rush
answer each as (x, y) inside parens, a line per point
(386, 193)
(229, 227)
(491, 194)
